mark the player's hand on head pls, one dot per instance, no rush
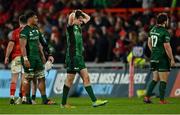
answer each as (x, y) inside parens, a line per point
(79, 10)
(27, 63)
(50, 58)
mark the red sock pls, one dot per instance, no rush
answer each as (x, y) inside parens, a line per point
(12, 88)
(23, 91)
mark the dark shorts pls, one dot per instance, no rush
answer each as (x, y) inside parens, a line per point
(75, 64)
(162, 65)
(36, 65)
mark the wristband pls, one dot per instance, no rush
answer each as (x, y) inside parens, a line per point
(25, 58)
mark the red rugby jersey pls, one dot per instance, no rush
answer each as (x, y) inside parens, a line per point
(15, 38)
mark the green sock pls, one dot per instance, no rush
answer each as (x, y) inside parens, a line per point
(65, 94)
(151, 87)
(28, 98)
(33, 97)
(44, 98)
(162, 89)
(90, 93)
(20, 95)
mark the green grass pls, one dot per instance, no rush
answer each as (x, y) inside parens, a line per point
(83, 106)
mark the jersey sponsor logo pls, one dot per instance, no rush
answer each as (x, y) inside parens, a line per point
(76, 27)
(37, 31)
(30, 34)
(22, 35)
(76, 68)
(34, 38)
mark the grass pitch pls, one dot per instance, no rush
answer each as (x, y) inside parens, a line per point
(83, 106)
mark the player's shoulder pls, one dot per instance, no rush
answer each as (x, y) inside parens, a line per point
(150, 27)
(16, 30)
(36, 27)
(69, 26)
(25, 29)
(164, 31)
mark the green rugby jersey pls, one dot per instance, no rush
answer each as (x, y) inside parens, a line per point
(74, 41)
(158, 36)
(33, 35)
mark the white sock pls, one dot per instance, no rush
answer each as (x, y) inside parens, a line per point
(12, 96)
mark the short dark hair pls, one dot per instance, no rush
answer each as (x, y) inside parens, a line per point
(78, 14)
(161, 18)
(29, 14)
(22, 19)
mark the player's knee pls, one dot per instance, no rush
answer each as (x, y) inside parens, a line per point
(14, 79)
(12, 82)
(69, 82)
(86, 80)
(40, 80)
(155, 78)
(26, 81)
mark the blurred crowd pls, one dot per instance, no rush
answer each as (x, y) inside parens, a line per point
(107, 37)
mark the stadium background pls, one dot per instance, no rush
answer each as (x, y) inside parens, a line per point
(116, 26)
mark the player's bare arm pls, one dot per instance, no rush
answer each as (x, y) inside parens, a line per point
(8, 51)
(168, 50)
(149, 43)
(71, 18)
(23, 43)
(86, 17)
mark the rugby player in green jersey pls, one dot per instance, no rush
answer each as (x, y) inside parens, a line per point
(74, 58)
(30, 38)
(161, 57)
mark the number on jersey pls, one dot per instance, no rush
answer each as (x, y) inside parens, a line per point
(154, 40)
